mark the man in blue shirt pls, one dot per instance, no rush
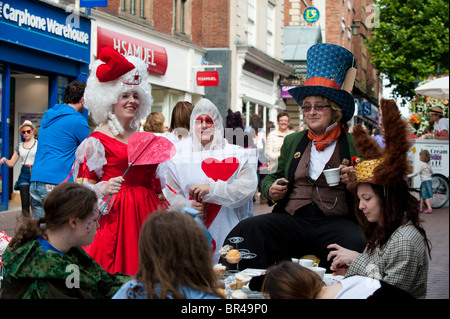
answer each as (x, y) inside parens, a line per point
(62, 130)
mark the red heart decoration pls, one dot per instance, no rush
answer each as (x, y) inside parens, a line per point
(115, 65)
(222, 170)
(145, 148)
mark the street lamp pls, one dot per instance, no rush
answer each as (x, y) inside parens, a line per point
(355, 27)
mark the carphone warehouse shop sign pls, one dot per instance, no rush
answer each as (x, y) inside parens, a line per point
(45, 28)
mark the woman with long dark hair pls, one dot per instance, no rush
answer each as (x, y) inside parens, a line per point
(397, 248)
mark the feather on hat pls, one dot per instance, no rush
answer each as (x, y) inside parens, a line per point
(387, 166)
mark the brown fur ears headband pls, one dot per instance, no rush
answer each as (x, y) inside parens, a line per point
(387, 166)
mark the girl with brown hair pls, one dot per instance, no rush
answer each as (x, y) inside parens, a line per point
(174, 261)
(288, 280)
(45, 258)
(397, 248)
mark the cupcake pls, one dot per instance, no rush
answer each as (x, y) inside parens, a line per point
(242, 279)
(233, 256)
(224, 250)
(219, 269)
(238, 294)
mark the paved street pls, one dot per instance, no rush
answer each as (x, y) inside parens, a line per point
(436, 225)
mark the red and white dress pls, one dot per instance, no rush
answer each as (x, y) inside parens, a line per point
(231, 174)
(115, 246)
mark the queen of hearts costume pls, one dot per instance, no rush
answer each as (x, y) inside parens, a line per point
(101, 157)
(230, 171)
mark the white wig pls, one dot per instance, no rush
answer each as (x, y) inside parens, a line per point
(99, 96)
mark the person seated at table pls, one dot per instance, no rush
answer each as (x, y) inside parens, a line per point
(289, 280)
(309, 214)
(174, 261)
(45, 258)
(397, 245)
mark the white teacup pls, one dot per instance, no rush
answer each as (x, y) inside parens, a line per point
(332, 176)
(307, 263)
(318, 270)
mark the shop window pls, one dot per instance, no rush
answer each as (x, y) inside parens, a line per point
(259, 71)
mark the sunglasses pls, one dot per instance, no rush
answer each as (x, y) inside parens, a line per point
(318, 108)
(26, 132)
(207, 119)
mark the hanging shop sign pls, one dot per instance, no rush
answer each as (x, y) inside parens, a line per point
(153, 55)
(208, 78)
(43, 27)
(311, 14)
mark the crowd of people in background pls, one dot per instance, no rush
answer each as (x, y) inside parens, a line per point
(126, 226)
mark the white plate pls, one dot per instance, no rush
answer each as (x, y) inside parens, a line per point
(330, 280)
(253, 272)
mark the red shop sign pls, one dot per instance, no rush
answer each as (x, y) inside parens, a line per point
(208, 78)
(153, 55)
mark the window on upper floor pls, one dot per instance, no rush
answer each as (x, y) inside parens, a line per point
(136, 9)
(179, 16)
(271, 29)
(182, 18)
(251, 23)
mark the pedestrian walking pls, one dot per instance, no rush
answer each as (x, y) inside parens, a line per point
(275, 140)
(26, 152)
(63, 128)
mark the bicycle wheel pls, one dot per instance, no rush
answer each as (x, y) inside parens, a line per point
(441, 191)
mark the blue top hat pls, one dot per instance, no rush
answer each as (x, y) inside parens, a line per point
(327, 65)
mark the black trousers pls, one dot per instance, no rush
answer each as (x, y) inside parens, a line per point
(280, 236)
(25, 199)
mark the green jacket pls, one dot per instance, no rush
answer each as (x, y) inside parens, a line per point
(292, 145)
(31, 273)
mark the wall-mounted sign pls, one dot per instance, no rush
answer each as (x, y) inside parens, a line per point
(93, 3)
(208, 78)
(311, 14)
(153, 55)
(285, 91)
(36, 25)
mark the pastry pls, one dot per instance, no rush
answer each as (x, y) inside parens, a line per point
(219, 269)
(242, 279)
(233, 256)
(224, 250)
(238, 294)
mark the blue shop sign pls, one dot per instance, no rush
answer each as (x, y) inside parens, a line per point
(93, 3)
(45, 28)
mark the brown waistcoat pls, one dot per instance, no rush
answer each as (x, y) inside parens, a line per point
(331, 200)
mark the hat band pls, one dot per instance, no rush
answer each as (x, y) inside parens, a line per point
(319, 81)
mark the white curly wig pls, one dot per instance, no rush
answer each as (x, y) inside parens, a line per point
(99, 96)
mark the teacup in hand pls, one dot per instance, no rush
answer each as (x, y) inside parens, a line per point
(332, 176)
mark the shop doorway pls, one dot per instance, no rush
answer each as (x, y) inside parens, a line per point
(29, 98)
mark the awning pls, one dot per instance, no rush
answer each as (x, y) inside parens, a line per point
(297, 41)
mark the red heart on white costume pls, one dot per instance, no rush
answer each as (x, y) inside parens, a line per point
(223, 170)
